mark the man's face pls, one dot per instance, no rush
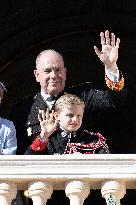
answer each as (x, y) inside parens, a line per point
(51, 73)
(70, 117)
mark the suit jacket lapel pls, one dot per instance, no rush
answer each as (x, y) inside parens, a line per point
(38, 104)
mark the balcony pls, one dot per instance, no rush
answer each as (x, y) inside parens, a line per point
(76, 174)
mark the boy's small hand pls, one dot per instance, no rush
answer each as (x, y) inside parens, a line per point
(47, 122)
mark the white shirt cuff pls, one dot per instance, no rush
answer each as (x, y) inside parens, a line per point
(114, 77)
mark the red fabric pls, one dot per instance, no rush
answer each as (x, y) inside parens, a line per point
(39, 144)
(89, 148)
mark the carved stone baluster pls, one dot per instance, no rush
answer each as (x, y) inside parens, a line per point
(77, 192)
(40, 192)
(113, 191)
(8, 192)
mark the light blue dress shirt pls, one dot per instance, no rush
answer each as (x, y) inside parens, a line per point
(8, 141)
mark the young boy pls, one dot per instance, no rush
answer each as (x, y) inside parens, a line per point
(68, 137)
(8, 142)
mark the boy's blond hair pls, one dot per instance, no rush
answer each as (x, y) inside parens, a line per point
(68, 99)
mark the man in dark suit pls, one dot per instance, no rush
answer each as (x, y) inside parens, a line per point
(50, 73)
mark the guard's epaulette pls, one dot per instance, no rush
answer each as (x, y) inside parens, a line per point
(79, 84)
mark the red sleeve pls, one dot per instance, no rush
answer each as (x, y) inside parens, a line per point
(39, 144)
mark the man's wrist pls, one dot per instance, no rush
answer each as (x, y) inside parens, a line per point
(112, 68)
(112, 76)
(115, 85)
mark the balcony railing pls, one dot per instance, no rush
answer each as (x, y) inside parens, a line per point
(76, 174)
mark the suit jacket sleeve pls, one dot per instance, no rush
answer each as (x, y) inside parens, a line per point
(99, 100)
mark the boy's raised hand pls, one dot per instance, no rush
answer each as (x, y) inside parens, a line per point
(47, 122)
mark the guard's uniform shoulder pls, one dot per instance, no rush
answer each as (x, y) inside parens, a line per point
(79, 88)
(79, 85)
(27, 101)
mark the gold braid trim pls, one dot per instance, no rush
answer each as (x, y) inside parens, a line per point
(118, 86)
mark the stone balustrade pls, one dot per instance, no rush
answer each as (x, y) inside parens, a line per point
(76, 174)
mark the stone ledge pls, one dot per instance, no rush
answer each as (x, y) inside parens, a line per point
(58, 169)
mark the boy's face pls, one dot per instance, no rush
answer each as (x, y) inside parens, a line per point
(70, 117)
(1, 95)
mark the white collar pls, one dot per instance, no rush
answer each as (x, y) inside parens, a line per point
(44, 95)
(64, 133)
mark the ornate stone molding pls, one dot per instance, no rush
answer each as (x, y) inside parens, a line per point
(58, 169)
